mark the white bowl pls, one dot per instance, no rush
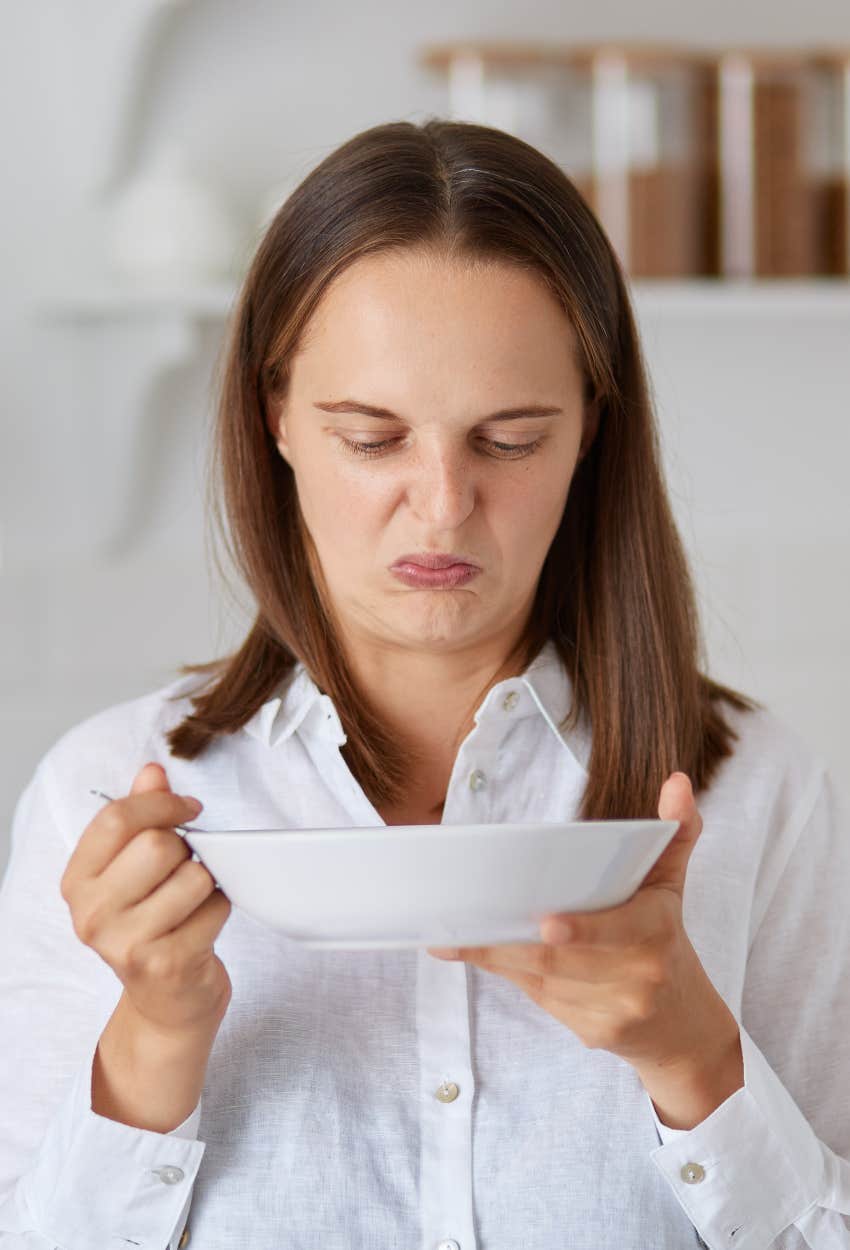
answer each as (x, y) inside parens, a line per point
(367, 888)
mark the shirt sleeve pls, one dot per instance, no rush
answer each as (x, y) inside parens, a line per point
(69, 1177)
(775, 1156)
(665, 1133)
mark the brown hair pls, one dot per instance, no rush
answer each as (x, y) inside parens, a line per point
(615, 592)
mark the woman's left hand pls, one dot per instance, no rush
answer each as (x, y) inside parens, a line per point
(627, 979)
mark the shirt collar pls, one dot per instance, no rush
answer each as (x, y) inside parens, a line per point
(544, 689)
(283, 713)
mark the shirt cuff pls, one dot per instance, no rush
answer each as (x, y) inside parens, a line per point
(664, 1131)
(751, 1168)
(98, 1182)
(189, 1127)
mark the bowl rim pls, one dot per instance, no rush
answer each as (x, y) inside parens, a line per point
(648, 826)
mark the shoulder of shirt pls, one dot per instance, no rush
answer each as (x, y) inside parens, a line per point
(771, 757)
(106, 749)
(767, 793)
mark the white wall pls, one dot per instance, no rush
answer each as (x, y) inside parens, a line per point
(752, 402)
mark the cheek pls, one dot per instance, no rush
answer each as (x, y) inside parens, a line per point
(531, 507)
(344, 513)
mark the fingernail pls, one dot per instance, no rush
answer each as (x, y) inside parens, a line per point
(196, 804)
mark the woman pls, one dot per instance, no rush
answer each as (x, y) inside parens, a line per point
(434, 352)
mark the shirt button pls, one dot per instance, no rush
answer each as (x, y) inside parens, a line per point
(448, 1091)
(184, 1238)
(477, 779)
(510, 700)
(449, 1244)
(692, 1173)
(169, 1175)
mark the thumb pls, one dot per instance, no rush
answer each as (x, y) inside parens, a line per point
(676, 802)
(151, 777)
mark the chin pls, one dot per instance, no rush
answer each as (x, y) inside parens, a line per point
(451, 626)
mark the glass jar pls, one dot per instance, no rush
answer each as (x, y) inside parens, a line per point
(783, 154)
(832, 128)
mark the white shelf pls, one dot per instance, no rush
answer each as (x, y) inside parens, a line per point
(111, 345)
(779, 297)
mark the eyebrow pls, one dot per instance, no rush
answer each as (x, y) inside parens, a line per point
(504, 414)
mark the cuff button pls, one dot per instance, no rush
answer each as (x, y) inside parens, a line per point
(169, 1175)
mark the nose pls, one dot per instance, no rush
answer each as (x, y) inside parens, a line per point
(442, 487)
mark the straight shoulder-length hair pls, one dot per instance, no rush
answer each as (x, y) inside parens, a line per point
(615, 593)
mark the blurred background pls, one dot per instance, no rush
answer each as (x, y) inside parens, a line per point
(146, 145)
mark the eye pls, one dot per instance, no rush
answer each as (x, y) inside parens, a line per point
(507, 451)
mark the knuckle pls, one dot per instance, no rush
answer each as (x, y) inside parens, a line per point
(639, 1005)
(598, 1036)
(197, 875)
(87, 921)
(609, 1031)
(113, 820)
(654, 969)
(129, 957)
(204, 875)
(157, 844)
(163, 964)
(666, 915)
(668, 926)
(617, 1030)
(617, 1035)
(85, 926)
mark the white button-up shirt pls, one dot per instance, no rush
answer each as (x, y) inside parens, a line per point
(368, 1100)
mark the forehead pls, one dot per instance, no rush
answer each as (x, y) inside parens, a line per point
(433, 316)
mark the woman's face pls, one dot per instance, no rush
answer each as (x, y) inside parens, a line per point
(442, 346)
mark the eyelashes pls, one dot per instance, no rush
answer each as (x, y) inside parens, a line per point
(505, 451)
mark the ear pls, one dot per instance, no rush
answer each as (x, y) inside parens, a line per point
(276, 422)
(591, 425)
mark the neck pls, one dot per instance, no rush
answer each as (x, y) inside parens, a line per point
(429, 700)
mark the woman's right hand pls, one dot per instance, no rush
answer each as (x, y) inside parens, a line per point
(149, 910)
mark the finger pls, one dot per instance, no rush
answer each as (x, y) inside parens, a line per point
(630, 924)
(154, 940)
(586, 965)
(177, 902)
(590, 967)
(579, 997)
(152, 776)
(196, 931)
(142, 866)
(119, 821)
(676, 802)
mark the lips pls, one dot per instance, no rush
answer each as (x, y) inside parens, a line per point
(431, 560)
(435, 579)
